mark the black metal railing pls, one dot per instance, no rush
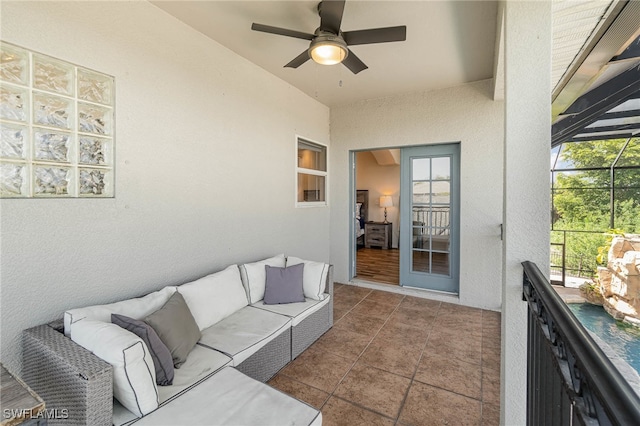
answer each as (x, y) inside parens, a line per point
(570, 381)
(573, 254)
(434, 220)
(558, 266)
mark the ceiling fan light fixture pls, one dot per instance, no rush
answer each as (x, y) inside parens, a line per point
(328, 49)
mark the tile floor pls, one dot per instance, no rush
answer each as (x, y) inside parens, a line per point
(393, 359)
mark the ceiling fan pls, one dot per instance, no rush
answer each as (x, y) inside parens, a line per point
(329, 45)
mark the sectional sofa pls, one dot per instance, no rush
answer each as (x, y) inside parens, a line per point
(198, 353)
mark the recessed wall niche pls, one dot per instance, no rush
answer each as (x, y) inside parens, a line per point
(56, 127)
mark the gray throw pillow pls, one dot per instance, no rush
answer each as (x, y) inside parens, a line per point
(162, 360)
(284, 285)
(176, 327)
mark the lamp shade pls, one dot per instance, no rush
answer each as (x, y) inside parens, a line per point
(386, 201)
(328, 49)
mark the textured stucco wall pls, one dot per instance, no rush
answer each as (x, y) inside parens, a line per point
(205, 157)
(466, 114)
(526, 184)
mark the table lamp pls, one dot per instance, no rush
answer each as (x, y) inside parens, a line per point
(386, 201)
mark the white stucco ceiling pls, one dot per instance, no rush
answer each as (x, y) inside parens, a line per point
(448, 43)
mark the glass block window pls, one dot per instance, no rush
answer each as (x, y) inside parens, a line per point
(56, 127)
(311, 173)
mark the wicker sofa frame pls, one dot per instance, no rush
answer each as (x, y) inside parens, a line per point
(76, 382)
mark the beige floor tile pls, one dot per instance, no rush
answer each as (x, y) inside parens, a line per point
(491, 317)
(492, 371)
(346, 303)
(428, 406)
(318, 369)
(465, 354)
(402, 337)
(456, 331)
(471, 321)
(312, 396)
(491, 330)
(361, 368)
(374, 389)
(345, 343)
(365, 325)
(385, 297)
(466, 348)
(338, 412)
(409, 332)
(447, 309)
(374, 309)
(491, 341)
(352, 290)
(338, 313)
(392, 356)
(490, 387)
(416, 317)
(451, 374)
(458, 309)
(490, 358)
(411, 302)
(490, 414)
(458, 325)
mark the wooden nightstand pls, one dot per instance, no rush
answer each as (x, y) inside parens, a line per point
(378, 234)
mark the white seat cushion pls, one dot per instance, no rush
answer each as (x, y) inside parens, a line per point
(296, 311)
(314, 277)
(201, 363)
(134, 377)
(244, 332)
(136, 308)
(215, 296)
(232, 398)
(254, 276)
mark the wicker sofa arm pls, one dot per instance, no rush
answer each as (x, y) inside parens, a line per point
(329, 289)
(76, 385)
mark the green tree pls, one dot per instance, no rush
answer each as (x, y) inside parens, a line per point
(582, 198)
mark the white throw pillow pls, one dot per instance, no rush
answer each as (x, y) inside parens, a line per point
(314, 277)
(254, 276)
(137, 308)
(134, 376)
(214, 297)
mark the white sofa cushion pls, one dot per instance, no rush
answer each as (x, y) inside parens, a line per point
(201, 363)
(214, 297)
(137, 308)
(134, 381)
(244, 332)
(296, 311)
(254, 276)
(314, 277)
(232, 398)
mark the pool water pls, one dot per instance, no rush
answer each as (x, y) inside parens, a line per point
(623, 338)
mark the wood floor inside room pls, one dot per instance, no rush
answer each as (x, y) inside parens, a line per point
(382, 266)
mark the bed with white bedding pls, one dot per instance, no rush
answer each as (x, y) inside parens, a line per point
(362, 210)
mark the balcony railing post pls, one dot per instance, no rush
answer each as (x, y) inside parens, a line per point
(569, 377)
(564, 258)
